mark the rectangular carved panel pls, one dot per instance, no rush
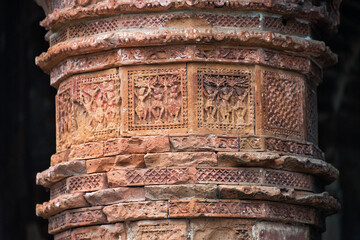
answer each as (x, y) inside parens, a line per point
(282, 106)
(311, 113)
(224, 99)
(96, 105)
(64, 115)
(157, 99)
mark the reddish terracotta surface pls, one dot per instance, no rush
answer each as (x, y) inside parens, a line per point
(187, 119)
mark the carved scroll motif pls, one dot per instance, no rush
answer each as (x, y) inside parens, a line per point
(225, 98)
(157, 99)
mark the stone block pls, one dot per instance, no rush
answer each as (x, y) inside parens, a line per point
(115, 195)
(198, 143)
(158, 229)
(255, 192)
(270, 231)
(60, 171)
(189, 208)
(59, 157)
(76, 218)
(82, 183)
(64, 202)
(166, 192)
(137, 145)
(136, 211)
(224, 229)
(86, 151)
(104, 232)
(107, 164)
(247, 159)
(182, 159)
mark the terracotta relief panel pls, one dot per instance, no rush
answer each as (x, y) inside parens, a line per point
(64, 115)
(280, 103)
(156, 99)
(311, 112)
(224, 98)
(96, 106)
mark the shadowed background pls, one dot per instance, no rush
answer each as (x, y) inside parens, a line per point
(28, 121)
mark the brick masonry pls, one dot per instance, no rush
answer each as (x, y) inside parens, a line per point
(198, 138)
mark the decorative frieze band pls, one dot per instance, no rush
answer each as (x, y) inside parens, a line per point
(182, 175)
(188, 35)
(181, 229)
(183, 53)
(191, 208)
(156, 20)
(60, 12)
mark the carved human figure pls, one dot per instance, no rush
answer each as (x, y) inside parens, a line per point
(210, 102)
(141, 108)
(98, 100)
(174, 105)
(239, 109)
(89, 95)
(64, 112)
(157, 108)
(225, 106)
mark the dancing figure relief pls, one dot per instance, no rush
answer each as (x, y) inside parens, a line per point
(210, 106)
(158, 100)
(64, 112)
(240, 107)
(225, 102)
(157, 106)
(142, 108)
(225, 106)
(174, 105)
(99, 101)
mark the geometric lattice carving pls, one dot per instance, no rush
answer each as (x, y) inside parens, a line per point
(128, 21)
(287, 26)
(282, 97)
(157, 99)
(299, 181)
(82, 183)
(97, 108)
(224, 98)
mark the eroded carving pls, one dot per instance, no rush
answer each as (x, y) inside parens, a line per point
(97, 104)
(64, 115)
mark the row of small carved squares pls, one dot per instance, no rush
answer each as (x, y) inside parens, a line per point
(93, 27)
(151, 176)
(160, 230)
(293, 147)
(82, 183)
(141, 55)
(77, 217)
(52, 5)
(184, 209)
(234, 208)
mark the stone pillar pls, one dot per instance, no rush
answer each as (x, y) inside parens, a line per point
(187, 119)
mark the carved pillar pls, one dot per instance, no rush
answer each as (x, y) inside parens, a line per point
(187, 119)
